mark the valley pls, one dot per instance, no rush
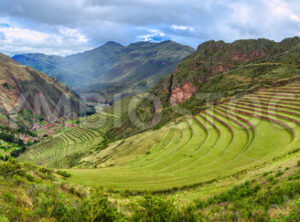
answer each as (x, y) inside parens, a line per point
(149, 111)
(216, 138)
(214, 144)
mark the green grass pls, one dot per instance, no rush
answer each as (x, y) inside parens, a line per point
(213, 145)
(195, 150)
(29, 193)
(236, 160)
(6, 147)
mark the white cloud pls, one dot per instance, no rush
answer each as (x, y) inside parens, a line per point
(154, 35)
(20, 40)
(183, 28)
(15, 34)
(283, 10)
(73, 34)
(82, 24)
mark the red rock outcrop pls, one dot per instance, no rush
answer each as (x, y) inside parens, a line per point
(243, 57)
(181, 94)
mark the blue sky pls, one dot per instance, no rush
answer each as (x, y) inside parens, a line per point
(63, 27)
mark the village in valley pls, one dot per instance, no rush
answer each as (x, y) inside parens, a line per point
(14, 142)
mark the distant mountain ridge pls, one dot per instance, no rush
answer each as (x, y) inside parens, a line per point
(112, 68)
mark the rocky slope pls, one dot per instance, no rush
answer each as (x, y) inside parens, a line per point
(112, 68)
(213, 58)
(26, 89)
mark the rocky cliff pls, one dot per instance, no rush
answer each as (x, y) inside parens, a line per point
(215, 57)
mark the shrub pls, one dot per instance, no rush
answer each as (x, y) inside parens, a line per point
(29, 177)
(11, 168)
(64, 173)
(46, 170)
(3, 218)
(8, 197)
(152, 208)
(266, 173)
(272, 179)
(98, 208)
(279, 173)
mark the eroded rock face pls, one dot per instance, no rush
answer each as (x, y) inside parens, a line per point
(216, 57)
(244, 57)
(181, 94)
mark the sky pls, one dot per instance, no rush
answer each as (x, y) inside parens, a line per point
(63, 27)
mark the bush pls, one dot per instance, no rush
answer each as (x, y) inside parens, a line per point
(64, 173)
(152, 208)
(46, 170)
(29, 177)
(279, 173)
(11, 168)
(98, 208)
(266, 173)
(3, 218)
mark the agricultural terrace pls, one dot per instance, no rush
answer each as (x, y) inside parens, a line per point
(217, 143)
(67, 147)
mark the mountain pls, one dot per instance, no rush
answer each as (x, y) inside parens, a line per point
(112, 68)
(217, 66)
(213, 58)
(25, 90)
(215, 72)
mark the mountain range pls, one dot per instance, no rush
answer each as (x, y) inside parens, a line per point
(112, 69)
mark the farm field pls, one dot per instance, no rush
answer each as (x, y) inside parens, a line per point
(56, 151)
(64, 149)
(217, 143)
(213, 145)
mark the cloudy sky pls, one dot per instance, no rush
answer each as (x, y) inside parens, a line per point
(64, 27)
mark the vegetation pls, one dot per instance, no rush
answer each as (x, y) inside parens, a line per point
(32, 193)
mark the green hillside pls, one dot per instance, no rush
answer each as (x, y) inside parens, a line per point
(218, 142)
(214, 144)
(65, 149)
(217, 71)
(116, 122)
(238, 160)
